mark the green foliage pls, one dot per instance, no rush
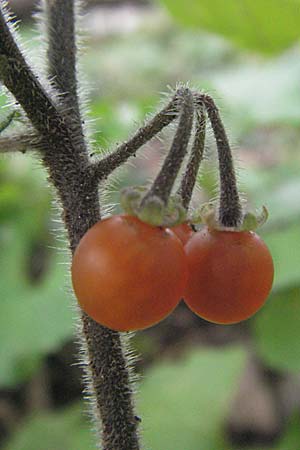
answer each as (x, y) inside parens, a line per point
(65, 430)
(35, 318)
(286, 256)
(265, 26)
(291, 438)
(277, 331)
(185, 403)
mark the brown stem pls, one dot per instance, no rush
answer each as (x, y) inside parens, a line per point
(189, 178)
(67, 161)
(61, 56)
(230, 210)
(107, 165)
(164, 181)
(18, 143)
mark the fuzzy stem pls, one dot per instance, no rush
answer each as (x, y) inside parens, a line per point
(101, 169)
(18, 143)
(164, 181)
(230, 210)
(188, 180)
(61, 56)
(108, 376)
(20, 80)
(112, 386)
(78, 192)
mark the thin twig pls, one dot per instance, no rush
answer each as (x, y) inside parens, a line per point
(230, 210)
(18, 143)
(164, 181)
(101, 169)
(20, 80)
(189, 177)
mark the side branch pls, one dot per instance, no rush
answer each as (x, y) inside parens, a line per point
(101, 169)
(164, 181)
(18, 143)
(189, 177)
(19, 79)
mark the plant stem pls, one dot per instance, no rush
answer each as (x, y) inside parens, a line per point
(189, 178)
(164, 181)
(61, 56)
(18, 143)
(230, 210)
(107, 165)
(67, 161)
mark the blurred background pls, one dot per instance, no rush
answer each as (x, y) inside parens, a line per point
(203, 386)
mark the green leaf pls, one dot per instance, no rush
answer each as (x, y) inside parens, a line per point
(184, 404)
(265, 26)
(34, 319)
(65, 430)
(277, 330)
(284, 247)
(291, 438)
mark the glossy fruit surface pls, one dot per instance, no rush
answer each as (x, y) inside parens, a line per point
(230, 275)
(183, 231)
(128, 275)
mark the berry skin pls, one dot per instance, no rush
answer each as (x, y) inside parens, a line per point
(183, 231)
(128, 275)
(230, 275)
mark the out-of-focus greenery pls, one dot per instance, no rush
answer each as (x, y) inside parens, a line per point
(35, 317)
(266, 26)
(184, 403)
(171, 398)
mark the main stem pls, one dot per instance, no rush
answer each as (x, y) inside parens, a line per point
(65, 156)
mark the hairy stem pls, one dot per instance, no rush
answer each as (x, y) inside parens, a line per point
(112, 387)
(18, 143)
(230, 210)
(67, 161)
(189, 178)
(107, 373)
(61, 56)
(107, 165)
(164, 181)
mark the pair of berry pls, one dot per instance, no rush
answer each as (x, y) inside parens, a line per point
(128, 275)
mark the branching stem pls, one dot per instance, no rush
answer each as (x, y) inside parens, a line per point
(18, 143)
(107, 165)
(164, 181)
(65, 156)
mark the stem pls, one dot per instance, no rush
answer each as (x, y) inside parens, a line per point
(164, 181)
(107, 165)
(108, 375)
(61, 56)
(188, 180)
(18, 143)
(112, 386)
(19, 79)
(68, 166)
(230, 210)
